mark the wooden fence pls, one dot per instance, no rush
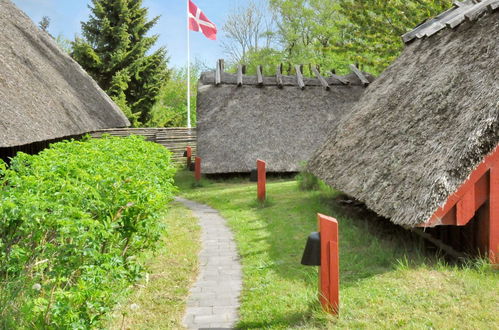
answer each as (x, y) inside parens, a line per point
(174, 139)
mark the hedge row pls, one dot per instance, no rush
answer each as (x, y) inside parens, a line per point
(73, 221)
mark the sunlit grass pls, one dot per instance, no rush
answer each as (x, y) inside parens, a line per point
(158, 302)
(387, 280)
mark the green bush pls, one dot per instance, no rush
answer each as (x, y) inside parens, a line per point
(307, 181)
(73, 221)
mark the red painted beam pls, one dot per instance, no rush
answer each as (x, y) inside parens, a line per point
(197, 168)
(494, 216)
(472, 194)
(329, 275)
(262, 180)
(188, 151)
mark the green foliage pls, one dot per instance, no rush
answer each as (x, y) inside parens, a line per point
(73, 220)
(333, 34)
(171, 108)
(373, 27)
(114, 51)
(307, 181)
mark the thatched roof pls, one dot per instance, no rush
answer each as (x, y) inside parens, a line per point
(271, 118)
(423, 126)
(44, 94)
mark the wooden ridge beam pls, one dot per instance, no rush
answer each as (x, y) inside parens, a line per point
(342, 80)
(299, 76)
(239, 75)
(259, 76)
(218, 73)
(360, 75)
(278, 76)
(321, 79)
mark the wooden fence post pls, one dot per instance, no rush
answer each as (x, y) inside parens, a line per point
(262, 180)
(197, 169)
(189, 155)
(329, 275)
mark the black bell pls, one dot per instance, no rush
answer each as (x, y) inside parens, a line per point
(312, 252)
(254, 175)
(185, 153)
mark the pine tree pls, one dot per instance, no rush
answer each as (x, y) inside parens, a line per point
(114, 50)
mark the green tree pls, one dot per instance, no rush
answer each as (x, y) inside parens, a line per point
(373, 27)
(114, 51)
(171, 108)
(335, 33)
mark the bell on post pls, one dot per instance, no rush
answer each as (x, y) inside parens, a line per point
(312, 252)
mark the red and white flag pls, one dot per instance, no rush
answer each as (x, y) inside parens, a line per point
(199, 22)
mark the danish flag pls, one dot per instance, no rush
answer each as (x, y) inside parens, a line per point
(199, 22)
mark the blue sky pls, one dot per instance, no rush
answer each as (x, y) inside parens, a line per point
(66, 16)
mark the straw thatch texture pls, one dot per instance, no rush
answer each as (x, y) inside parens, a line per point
(238, 125)
(44, 94)
(422, 126)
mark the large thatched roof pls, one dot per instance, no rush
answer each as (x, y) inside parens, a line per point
(44, 94)
(425, 124)
(270, 118)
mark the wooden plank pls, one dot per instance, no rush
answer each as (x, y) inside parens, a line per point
(321, 79)
(329, 276)
(239, 75)
(360, 75)
(494, 215)
(494, 5)
(466, 208)
(476, 11)
(278, 76)
(299, 77)
(259, 75)
(262, 180)
(434, 29)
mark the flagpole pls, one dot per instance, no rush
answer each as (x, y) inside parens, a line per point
(188, 70)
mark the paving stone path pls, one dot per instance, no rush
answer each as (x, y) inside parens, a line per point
(213, 301)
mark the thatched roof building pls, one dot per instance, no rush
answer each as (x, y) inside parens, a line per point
(426, 123)
(279, 119)
(44, 94)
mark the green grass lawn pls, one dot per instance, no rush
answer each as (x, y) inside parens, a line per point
(158, 302)
(387, 280)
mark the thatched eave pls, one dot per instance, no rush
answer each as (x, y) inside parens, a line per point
(44, 94)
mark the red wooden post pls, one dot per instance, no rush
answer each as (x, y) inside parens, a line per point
(262, 180)
(197, 168)
(188, 151)
(494, 216)
(329, 275)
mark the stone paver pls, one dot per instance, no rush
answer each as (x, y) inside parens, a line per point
(213, 301)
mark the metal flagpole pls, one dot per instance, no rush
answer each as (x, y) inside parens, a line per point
(188, 71)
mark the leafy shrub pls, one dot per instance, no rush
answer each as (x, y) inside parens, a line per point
(73, 221)
(307, 181)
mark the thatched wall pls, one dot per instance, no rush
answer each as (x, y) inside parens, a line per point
(238, 125)
(44, 94)
(422, 126)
